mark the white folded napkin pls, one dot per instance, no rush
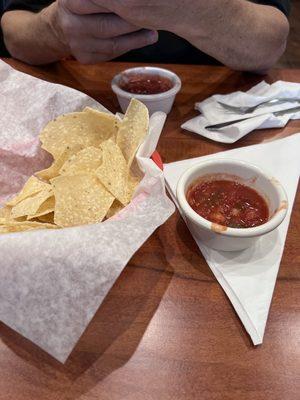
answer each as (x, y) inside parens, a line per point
(213, 113)
(248, 277)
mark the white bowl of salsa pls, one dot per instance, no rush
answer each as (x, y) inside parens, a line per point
(230, 204)
(155, 87)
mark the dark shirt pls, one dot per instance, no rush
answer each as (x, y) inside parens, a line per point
(3, 51)
(169, 48)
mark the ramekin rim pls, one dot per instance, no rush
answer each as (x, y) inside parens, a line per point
(147, 97)
(260, 230)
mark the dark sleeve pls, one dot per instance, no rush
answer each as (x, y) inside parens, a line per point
(29, 5)
(282, 5)
(3, 50)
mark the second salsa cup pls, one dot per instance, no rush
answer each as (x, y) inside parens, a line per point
(154, 102)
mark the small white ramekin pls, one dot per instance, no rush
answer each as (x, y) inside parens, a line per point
(154, 102)
(232, 239)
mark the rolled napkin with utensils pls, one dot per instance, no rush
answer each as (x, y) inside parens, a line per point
(227, 118)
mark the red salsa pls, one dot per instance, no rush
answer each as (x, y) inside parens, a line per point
(145, 84)
(228, 203)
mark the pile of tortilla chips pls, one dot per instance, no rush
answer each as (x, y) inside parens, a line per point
(91, 176)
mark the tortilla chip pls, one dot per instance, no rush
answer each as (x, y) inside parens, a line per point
(48, 218)
(15, 226)
(83, 128)
(91, 177)
(133, 183)
(80, 199)
(117, 206)
(102, 115)
(114, 209)
(30, 205)
(114, 172)
(5, 213)
(31, 187)
(84, 162)
(53, 170)
(46, 208)
(133, 129)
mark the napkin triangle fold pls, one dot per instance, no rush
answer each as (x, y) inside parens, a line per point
(248, 277)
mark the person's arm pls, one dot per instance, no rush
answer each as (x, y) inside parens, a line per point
(241, 34)
(29, 37)
(56, 32)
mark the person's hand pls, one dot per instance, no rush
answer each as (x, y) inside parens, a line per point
(150, 14)
(92, 34)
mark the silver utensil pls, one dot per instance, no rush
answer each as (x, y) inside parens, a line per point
(276, 113)
(249, 110)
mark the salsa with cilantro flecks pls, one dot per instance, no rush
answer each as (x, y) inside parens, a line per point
(228, 203)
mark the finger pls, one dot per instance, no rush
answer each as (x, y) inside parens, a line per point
(120, 45)
(98, 50)
(103, 26)
(83, 7)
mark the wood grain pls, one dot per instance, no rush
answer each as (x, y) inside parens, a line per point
(166, 330)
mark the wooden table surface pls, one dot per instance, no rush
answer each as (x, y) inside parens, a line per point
(167, 330)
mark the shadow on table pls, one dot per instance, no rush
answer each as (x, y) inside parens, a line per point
(111, 338)
(182, 252)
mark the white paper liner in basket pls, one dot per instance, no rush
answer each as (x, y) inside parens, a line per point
(53, 281)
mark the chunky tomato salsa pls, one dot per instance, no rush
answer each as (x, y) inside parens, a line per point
(228, 203)
(145, 84)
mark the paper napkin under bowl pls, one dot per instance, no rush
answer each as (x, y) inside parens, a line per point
(248, 277)
(214, 113)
